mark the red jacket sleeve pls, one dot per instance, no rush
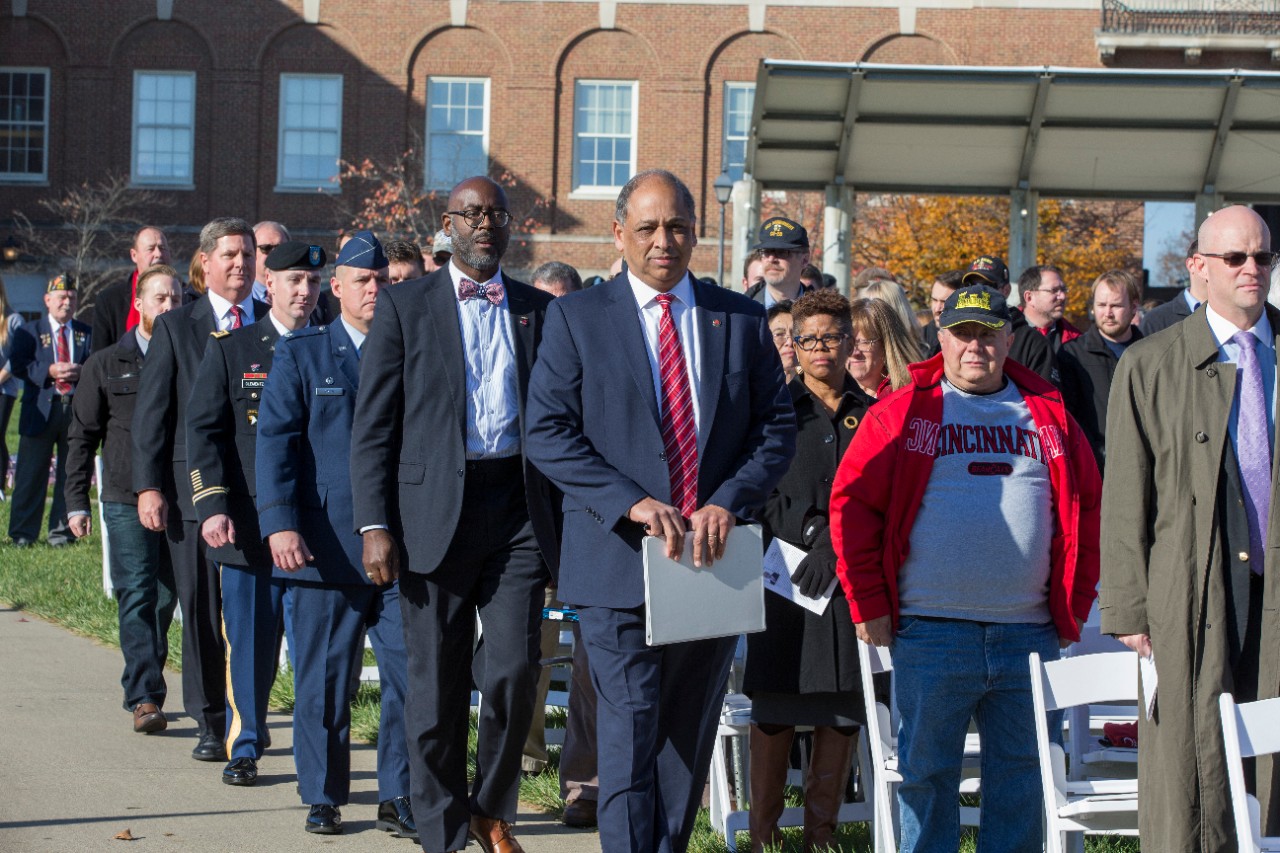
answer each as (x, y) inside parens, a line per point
(1088, 483)
(859, 510)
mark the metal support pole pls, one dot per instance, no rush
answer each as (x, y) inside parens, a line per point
(1024, 220)
(720, 254)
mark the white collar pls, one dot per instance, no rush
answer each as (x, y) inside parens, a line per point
(644, 294)
(1223, 329)
(222, 306)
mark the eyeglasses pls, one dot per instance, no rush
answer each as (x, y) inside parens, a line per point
(475, 218)
(267, 248)
(812, 342)
(1056, 291)
(865, 346)
(1237, 259)
(781, 336)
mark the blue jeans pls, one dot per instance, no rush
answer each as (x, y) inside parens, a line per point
(143, 580)
(947, 672)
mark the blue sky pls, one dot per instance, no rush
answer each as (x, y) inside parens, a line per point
(1162, 221)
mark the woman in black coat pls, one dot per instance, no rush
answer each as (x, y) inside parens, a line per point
(803, 668)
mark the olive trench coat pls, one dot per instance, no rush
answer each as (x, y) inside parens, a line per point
(1163, 573)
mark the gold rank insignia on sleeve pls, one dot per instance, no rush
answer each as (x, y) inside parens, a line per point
(198, 491)
(222, 334)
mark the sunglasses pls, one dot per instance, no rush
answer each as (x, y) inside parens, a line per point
(267, 248)
(1237, 259)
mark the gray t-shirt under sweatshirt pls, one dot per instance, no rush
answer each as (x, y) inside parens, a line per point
(980, 543)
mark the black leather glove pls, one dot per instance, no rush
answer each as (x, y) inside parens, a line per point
(815, 571)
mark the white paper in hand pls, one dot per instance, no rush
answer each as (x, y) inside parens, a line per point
(1147, 671)
(685, 603)
(781, 560)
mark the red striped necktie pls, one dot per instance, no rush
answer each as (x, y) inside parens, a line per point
(237, 317)
(679, 431)
(62, 353)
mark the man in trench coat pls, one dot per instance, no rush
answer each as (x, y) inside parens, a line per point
(1184, 533)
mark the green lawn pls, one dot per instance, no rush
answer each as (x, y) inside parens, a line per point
(64, 586)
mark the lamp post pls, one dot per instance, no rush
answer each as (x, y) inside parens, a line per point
(9, 250)
(724, 189)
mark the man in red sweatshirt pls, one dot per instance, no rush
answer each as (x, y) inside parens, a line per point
(965, 518)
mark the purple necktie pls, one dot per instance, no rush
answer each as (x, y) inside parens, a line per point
(1253, 446)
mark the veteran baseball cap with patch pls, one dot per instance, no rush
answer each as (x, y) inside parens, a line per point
(987, 269)
(61, 281)
(975, 303)
(778, 232)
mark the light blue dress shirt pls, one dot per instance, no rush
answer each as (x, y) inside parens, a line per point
(493, 392)
(1229, 352)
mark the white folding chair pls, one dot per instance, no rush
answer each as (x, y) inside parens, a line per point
(1249, 729)
(882, 733)
(1102, 807)
(1087, 759)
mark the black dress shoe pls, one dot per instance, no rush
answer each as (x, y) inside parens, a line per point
(209, 748)
(395, 817)
(324, 820)
(242, 771)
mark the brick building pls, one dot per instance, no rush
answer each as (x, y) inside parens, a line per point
(243, 107)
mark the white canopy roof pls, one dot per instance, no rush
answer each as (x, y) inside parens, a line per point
(1067, 132)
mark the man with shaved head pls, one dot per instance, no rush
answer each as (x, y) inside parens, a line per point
(113, 308)
(1186, 523)
(446, 502)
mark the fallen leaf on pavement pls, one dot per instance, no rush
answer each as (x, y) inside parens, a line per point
(126, 835)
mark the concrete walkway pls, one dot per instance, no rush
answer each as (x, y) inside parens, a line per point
(74, 773)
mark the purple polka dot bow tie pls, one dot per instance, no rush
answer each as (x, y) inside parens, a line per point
(493, 291)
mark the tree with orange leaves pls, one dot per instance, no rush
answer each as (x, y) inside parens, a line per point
(920, 237)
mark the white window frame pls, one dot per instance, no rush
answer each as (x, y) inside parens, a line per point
(287, 185)
(725, 138)
(187, 181)
(484, 133)
(581, 190)
(31, 177)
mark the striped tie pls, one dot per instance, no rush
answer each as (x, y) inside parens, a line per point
(237, 317)
(62, 353)
(679, 432)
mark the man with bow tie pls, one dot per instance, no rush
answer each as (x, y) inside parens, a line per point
(446, 502)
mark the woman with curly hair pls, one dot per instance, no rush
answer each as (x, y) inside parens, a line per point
(803, 668)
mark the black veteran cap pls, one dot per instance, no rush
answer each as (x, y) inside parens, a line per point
(61, 281)
(296, 255)
(975, 303)
(362, 251)
(987, 269)
(778, 232)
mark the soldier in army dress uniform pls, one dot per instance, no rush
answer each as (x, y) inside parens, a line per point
(222, 419)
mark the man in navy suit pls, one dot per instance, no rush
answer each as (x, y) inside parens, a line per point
(304, 511)
(626, 370)
(441, 486)
(160, 474)
(47, 354)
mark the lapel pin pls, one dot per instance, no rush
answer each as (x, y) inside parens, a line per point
(716, 322)
(328, 380)
(524, 321)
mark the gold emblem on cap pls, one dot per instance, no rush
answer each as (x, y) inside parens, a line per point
(974, 300)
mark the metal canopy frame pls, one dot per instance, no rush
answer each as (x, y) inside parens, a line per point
(1063, 132)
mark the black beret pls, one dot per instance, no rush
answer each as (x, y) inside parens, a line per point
(296, 255)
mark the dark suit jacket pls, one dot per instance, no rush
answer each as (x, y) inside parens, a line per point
(1164, 316)
(595, 427)
(304, 451)
(222, 430)
(160, 437)
(111, 312)
(32, 354)
(1031, 349)
(408, 439)
(103, 417)
(1087, 367)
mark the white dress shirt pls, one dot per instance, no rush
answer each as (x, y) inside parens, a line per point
(683, 309)
(222, 311)
(492, 386)
(71, 344)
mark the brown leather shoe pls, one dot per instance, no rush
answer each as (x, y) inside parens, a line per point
(148, 718)
(494, 836)
(580, 814)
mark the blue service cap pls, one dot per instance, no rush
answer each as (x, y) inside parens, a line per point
(362, 251)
